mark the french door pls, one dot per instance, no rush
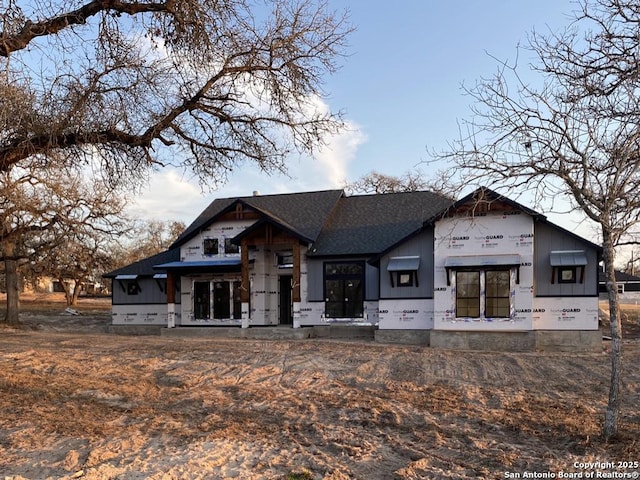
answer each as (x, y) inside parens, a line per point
(216, 299)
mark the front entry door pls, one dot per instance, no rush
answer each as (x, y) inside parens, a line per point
(286, 300)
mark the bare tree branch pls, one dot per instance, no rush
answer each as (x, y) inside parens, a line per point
(576, 135)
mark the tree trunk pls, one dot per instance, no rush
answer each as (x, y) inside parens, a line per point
(77, 288)
(12, 285)
(613, 406)
(66, 289)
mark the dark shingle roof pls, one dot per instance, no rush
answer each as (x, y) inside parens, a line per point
(620, 277)
(369, 224)
(304, 213)
(144, 267)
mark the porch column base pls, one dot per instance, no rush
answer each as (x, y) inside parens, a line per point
(296, 314)
(171, 315)
(245, 315)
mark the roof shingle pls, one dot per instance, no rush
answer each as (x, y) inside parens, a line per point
(369, 224)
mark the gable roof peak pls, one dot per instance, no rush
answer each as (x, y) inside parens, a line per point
(303, 212)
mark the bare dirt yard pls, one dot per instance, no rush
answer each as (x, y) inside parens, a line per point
(76, 402)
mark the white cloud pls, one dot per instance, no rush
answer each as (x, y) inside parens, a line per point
(169, 196)
(329, 167)
(172, 196)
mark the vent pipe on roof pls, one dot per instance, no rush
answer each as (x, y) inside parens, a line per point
(256, 193)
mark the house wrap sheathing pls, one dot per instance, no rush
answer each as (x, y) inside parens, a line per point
(414, 265)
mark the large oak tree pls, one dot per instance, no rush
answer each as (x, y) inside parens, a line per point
(201, 84)
(50, 219)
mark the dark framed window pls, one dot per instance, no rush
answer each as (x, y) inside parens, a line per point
(344, 289)
(210, 246)
(568, 266)
(133, 287)
(406, 278)
(494, 301)
(284, 259)
(202, 300)
(230, 247)
(567, 275)
(468, 294)
(217, 299)
(497, 294)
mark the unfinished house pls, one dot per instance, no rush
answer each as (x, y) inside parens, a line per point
(481, 272)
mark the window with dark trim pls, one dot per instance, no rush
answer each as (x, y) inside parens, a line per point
(567, 275)
(230, 247)
(133, 287)
(492, 301)
(344, 289)
(468, 294)
(284, 259)
(210, 246)
(407, 278)
(497, 294)
(568, 266)
(403, 271)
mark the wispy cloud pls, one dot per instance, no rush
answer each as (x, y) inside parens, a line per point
(170, 195)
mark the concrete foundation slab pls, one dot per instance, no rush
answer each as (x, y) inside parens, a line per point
(497, 341)
(264, 333)
(582, 341)
(365, 332)
(404, 337)
(587, 341)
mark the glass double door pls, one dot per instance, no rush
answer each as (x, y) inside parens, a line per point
(216, 299)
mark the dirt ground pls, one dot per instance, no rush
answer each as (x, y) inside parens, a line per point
(78, 403)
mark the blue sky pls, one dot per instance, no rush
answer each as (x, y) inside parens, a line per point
(400, 90)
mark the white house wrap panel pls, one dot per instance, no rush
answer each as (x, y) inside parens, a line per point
(577, 313)
(477, 245)
(406, 314)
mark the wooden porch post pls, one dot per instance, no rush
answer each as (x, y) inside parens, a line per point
(244, 268)
(296, 272)
(245, 283)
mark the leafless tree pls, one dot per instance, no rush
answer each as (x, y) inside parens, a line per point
(201, 84)
(76, 261)
(575, 136)
(411, 181)
(46, 215)
(146, 238)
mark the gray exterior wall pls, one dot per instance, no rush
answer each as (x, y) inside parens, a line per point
(315, 290)
(315, 278)
(422, 246)
(548, 239)
(150, 292)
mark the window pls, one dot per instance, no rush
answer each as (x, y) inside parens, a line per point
(566, 274)
(467, 294)
(210, 246)
(217, 299)
(405, 271)
(497, 294)
(284, 259)
(483, 293)
(344, 289)
(230, 247)
(568, 266)
(406, 278)
(201, 300)
(133, 288)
